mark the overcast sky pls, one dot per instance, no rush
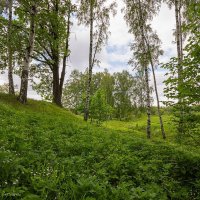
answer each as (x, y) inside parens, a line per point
(116, 53)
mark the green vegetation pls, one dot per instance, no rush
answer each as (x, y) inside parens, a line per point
(48, 153)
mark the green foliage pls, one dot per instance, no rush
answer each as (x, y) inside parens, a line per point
(183, 91)
(48, 156)
(99, 108)
(123, 94)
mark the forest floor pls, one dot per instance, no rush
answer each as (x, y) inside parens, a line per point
(49, 153)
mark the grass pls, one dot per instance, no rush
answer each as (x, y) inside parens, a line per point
(138, 126)
(49, 153)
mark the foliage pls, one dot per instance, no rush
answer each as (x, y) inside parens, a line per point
(100, 109)
(123, 93)
(186, 110)
(43, 156)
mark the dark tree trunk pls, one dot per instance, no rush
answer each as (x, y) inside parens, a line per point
(10, 54)
(87, 103)
(62, 78)
(56, 57)
(28, 54)
(56, 86)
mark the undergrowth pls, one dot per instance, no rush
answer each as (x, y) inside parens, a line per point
(48, 153)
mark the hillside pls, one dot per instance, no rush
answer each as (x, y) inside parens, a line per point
(48, 153)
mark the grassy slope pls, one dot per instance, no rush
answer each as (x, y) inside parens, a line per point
(48, 153)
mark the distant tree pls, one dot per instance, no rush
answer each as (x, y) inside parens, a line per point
(100, 109)
(105, 81)
(124, 83)
(75, 91)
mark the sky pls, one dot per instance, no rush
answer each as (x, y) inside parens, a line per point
(116, 53)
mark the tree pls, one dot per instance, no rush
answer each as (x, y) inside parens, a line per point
(11, 41)
(52, 45)
(74, 92)
(100, 110)
(94, 14)
(146, 48)
(31, 10)
(105, 81)
(124, 83)
(186, 111)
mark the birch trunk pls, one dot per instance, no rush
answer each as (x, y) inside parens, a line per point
(148, 101)
(179, 45)
(87, 102)
(10, 54)
(178, 39)
(156, 91)
(27, 60)
(158, 102)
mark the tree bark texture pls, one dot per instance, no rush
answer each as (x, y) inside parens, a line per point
(156, 91)
(62, 78)
(88, 92)
(10, 54)
(148, 100)
(27, 60)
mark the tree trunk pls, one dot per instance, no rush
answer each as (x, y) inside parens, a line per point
(179, 45)
(148, 103)
(56, 58)
(62, 78)
(156, 90)
(56, 85)
(158, 103)
(28, 54)
(87, 103)
(10, 55)
(178, 41)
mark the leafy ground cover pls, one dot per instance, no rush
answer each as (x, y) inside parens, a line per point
(48, 153)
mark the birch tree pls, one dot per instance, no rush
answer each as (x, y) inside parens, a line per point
(96, 15)
(31, 9)
(146, 47)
